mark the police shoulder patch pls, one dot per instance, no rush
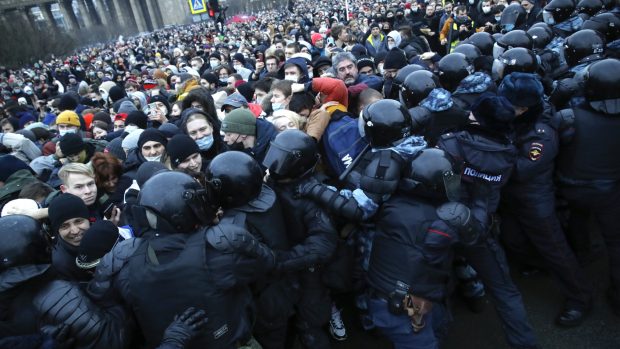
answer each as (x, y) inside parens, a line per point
(536, 150)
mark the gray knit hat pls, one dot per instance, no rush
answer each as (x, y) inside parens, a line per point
(240, 121)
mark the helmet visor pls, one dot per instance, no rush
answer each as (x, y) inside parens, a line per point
(497, 71)
(548, 17)
(280, 161)
(497, 50)
(452, 184)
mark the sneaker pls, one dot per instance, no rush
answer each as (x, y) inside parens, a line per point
(336, 326)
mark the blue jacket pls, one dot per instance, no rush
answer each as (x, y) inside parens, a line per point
(374, 48)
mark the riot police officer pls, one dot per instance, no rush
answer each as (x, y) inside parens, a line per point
(237, 180)
(589, 177)
(528, 200)
(487, 156)
(291, 160)
(184, 263)
(417, 228)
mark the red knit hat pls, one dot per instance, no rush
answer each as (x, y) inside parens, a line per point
(315, 37)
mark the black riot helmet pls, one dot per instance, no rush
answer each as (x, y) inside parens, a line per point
(416, 87)
(516, 59)
(513, 16)
(541, 37)
(601, 85)
(386, 123)
(453, 68)
(470, 51)
(584, 46)
(236, 178)
(515, 38)
(398, 80)
(433, 175)
(179, 202)
(589, 7)
(483, 41)
(404, 72)
(557, 11)
(606, 23)
(292, 154)
(23, 243)
(609, 4)
(542, 25)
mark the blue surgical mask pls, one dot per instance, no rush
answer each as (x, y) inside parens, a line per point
(277, 106)
(497, 18)
(509, 27)
(205, 143)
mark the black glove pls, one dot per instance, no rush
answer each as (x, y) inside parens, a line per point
(458, 216)
(184, 328)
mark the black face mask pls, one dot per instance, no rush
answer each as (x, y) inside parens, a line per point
(237, 146)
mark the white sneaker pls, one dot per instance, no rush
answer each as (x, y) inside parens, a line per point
(336, 326)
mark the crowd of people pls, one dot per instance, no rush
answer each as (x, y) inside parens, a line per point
(218, 185)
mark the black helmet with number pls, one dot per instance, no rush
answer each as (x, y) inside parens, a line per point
(512, 17)
(236, 178)
(453, 68)
(23, 242)
(515, 38)
(601, 86)
(606, 23)
(514, 60)
(386, 123)
(557, 11)
(416, 87)
(291, 155)
(179, 202)
(470, 51)
(589, 7)
(584, 46)
(541, 37)
(432, 174)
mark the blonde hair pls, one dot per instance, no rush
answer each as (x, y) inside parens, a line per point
(291, 115)
(75, 168)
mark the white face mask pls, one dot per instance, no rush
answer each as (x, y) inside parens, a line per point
(293, 78)
(310, 74)
(259, 100)
(64, 132)
(131, 128)
(237, 67)
(277, 106)
(214, 63)
(153, 158)
(104, 95)
(486, 9)
(391, 45)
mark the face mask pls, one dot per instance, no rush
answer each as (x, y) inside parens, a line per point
(461, 18)
(153, 158)
(205, 142)
(237, 67)
(471, 2)
(254, 43)
(509, 27)
(17, 91)
(414, 9)
(237, 146)
(486, 9)
(131, 128)
(497, 18)
(380, 68)
(214, 63)
(64, 132)
(293, 78)
(548, 18)
(277, 106)
(407, 12)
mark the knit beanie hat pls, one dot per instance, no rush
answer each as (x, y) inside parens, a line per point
(131, 140)
(24, 119)
(68, 117)
(102, 116)
(246, 90)
(9, 164)
(67, 102)
(64, 207)
(240, 121)
(522, 89)
(152, 134)
(126, 107)
(96, 242)
(395, 59)
(180, 147)
(115, 148)
(138, 118)
(315, 37)
(161, 99)
(71, 144)
(239, 57)
(116, 93)
(365, 61)
(169, 129)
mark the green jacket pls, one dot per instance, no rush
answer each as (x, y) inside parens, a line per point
(14, 185)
